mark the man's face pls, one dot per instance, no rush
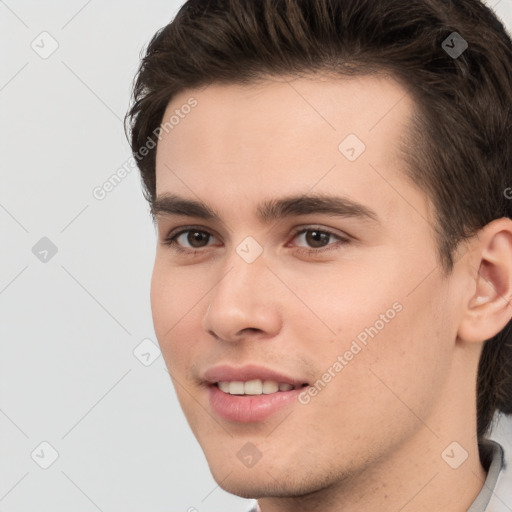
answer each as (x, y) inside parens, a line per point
(352, 303)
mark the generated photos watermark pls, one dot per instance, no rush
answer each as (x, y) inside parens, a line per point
(356, 347)
(100, 192)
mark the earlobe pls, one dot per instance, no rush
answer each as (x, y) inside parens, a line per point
(489, 309)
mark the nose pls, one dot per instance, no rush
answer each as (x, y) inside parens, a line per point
(244, 302)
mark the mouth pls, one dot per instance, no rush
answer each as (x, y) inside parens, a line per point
(241, 407)
(250, 393)
(256, 387)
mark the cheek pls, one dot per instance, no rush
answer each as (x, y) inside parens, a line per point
(174, 309)
(174, 293)
(385, 383)
(162, 299)
(393, 336)
(352, 302)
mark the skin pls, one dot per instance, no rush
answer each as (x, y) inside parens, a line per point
(372, 439)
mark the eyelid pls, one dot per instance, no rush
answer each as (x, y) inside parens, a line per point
(343, 238)
(177, 232)
(314, 227)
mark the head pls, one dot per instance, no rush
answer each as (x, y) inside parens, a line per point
(241, 104)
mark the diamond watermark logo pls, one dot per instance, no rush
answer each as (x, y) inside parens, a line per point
(249, 455)
(352, 147)
(454, 455)
(44, 250)
(249, 250)
(146, 352)
(44, 45)
(454, 45)
(44, 455)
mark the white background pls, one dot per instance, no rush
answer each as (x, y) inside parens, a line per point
(69, 326)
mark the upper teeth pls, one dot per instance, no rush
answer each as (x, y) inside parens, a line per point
(253, 387)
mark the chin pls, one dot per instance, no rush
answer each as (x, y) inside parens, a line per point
(256, 483)
(254, 488)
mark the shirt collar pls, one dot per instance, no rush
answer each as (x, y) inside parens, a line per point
(492, 458)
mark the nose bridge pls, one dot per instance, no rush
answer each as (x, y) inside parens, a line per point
(242, 278)
(242, 298)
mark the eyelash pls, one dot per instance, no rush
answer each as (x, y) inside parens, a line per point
(171, 240)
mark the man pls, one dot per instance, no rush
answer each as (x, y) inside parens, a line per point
(330, 181)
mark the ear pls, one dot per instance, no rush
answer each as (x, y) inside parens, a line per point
(489, 307)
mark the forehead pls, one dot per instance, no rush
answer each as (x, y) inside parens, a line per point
(287, 136)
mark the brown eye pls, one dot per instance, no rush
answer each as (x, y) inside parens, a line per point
(314, 240)
(197, 238)
(189, 240)
(317, 238)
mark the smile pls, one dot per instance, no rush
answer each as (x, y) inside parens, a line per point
(255, 387)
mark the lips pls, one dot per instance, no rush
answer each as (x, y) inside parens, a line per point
(235, 395)
(226, 373)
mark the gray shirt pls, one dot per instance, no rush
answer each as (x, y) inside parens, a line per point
(493, 460)
(488, 499)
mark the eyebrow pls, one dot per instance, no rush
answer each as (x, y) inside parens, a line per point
(268, 211)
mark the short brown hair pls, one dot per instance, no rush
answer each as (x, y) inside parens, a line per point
(459, 149)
